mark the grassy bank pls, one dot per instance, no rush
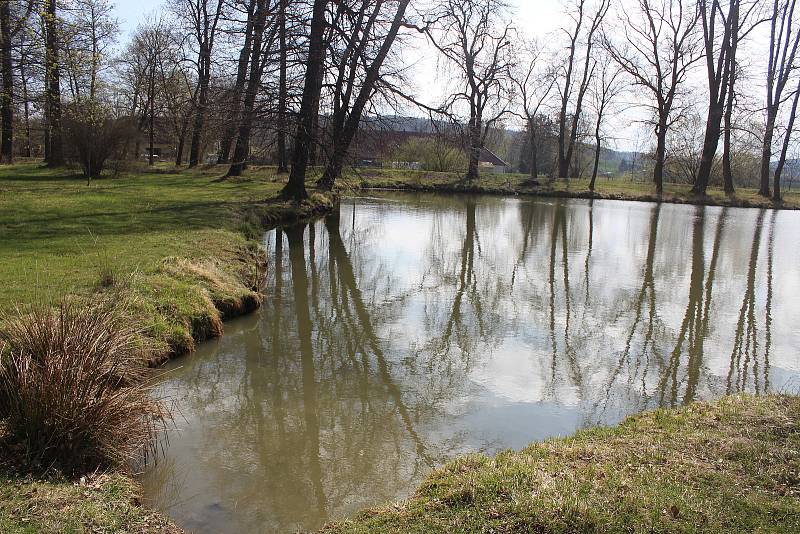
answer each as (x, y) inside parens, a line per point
(518, 184)
(179, 250)
(729, 466)
(103, 503)
(179, 247)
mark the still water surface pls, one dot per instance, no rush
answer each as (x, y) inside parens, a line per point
(411, 328)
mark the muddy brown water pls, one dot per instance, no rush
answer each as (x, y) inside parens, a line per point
(411, 328)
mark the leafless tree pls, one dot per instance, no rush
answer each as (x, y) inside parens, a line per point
(476, 42)
(575, 75)
(305, 135)
(723, 27)
(657, 49)
(258, 58)
(784, 37)
(359, 72)
(88, 31)
(226, 143)
(534, 86)
(605, 89)
(11, 22)
(202, 18)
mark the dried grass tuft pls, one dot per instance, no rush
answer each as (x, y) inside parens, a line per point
(74, 390)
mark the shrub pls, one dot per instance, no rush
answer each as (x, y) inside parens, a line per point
(94, 136)
(73, 388)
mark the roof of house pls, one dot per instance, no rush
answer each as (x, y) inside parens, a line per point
(487, 156)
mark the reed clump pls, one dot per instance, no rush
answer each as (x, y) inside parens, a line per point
(75, 393)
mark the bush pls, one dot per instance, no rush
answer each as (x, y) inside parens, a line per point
(73, 389)
(435, 154)
(94, 136)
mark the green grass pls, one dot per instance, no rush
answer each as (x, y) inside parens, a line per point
(728, 466)
(179, 246)
(101, 503)
(616, 188)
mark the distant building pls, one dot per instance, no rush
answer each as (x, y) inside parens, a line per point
(491, 162)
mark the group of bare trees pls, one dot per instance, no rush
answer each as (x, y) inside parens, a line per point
(647, 56)
(292, 81)
(658, 50)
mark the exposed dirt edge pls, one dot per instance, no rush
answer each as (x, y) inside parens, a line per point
(246, 296)
(541, 191)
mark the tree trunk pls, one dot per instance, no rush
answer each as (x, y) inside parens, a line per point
(296, 187)
(26, 150)
(661, 150)
(53, 87)
(596, 154)
(766, 151)
(776, 186)
(236, 94)
(152, 114)
(563, 164)
(710, 144)
(727, 172)
(200, 110)
(475, 142)
(534, 152)
(182, 140)
(7, 98)
(283, 165)
(242, 150)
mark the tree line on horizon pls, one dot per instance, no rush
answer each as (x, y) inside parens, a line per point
(293, 81)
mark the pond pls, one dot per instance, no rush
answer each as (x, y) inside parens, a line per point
(410, 328)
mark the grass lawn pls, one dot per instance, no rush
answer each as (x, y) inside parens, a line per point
(177, 244)
(102, 503)
(729, 466)
(618, 188)
(179, 249)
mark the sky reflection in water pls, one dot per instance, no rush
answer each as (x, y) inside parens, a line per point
(411, 328)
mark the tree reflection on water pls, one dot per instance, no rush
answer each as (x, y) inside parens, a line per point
(415, 328)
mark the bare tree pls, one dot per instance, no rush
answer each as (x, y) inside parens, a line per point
(283, 83)
(202, 17)
(723, 29)
(573, 83)
(776, 186)
(784, 38)
(295, 188)
(605, 88)
(475, 42)
(533, 88)
(658, 48)
(88, 30)
(258, 58)
(365, 48)
(238, 87)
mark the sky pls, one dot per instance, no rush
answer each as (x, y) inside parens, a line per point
(541, 15)
(131, 12)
